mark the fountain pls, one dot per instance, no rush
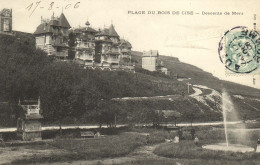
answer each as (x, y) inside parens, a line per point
(228, 108)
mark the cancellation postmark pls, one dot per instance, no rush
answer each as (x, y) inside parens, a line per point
(239, 50)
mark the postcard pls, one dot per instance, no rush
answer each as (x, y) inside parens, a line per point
(129, 82)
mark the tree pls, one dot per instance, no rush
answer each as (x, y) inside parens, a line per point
(20, 67)
(105, 112)
(62, 92)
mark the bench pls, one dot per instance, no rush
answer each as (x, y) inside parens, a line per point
(87, 134)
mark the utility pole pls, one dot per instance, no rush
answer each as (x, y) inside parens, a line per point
(188, 87)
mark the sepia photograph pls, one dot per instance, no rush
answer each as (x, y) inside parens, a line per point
(129, 82)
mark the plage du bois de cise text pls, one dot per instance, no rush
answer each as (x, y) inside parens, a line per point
(184, 13)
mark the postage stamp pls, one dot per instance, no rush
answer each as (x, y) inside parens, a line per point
(239, 50)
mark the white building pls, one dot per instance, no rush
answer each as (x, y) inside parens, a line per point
(149, 60)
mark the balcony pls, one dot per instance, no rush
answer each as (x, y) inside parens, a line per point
(59, 44)
(59, 33)
(88, 63)
(125, 50)
(84, 47)
(56, 33)
(114, 66)
(61, 54)
(126, 56)
(85, 57)
(110, 61)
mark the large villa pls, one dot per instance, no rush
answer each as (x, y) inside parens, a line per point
(93, 48)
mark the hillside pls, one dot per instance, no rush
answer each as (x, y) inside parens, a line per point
(200, 77)
(67, 89)
(206, 103)
(70, 92)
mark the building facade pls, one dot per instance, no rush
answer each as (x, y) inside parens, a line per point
(85, 45)
(107, 47)
(52, 36)
(6, 21)
(161, 67)
(93, 48)
(149, 60)
(102, 48)
(125, 52)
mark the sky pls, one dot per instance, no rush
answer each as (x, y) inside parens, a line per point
(193, 38)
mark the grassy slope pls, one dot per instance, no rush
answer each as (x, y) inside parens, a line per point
(198, 76)
(245, 107)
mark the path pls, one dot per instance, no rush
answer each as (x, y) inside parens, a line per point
(89, 127)
(197, 92)
(63, 127)
(150, 97)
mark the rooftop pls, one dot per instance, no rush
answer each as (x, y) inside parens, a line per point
(47, 27)
(127, 43)
(151, 53)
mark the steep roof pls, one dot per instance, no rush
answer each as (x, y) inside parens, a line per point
(104, 32)
(112, 31)
(151, 53)
(63, 22)
(89, 29)
(43, 28)
(84, 29)
(127, 43)
(48, 26)
(54, 23)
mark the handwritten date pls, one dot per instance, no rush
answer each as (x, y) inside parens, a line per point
(33, 6)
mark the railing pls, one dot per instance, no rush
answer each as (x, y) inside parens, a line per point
(83, 46)
(110, 60)
(88, 63)
(126, 55)
(125, 50)
(61, 54)
(85, 57)
(127, 67)
(58, 43)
